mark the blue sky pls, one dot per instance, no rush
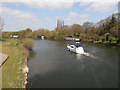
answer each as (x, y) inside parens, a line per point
(36, 15)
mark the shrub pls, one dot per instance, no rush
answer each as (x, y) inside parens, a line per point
(28, 43)
(118, 41)
(103, 40)
(110, 40)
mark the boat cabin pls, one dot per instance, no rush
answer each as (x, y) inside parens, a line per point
(78, 45)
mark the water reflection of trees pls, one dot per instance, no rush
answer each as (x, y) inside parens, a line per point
(32, 54)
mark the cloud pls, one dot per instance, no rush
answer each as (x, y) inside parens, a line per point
(102, 6)
(22, 25)
(84, 15)
(20, 20)
(98, 19)
(71, 18)
(49, 5)
(59, 0)
(74, 14)
(84, 3)
(117, 11)
(74, 18)
(70, 21)
(17, 13)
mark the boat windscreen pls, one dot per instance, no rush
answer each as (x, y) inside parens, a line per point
(78, 44)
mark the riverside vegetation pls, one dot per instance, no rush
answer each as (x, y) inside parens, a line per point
(104, 31)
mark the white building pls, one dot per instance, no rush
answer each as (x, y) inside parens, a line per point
(14, 36)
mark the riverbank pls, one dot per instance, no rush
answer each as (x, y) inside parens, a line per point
(14, 70)
(25, 69)
(108, 43)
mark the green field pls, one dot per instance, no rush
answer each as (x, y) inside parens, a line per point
(12, 74)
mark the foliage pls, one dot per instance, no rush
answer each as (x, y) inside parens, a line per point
(28, 43)
(23, 33)
(106, 30)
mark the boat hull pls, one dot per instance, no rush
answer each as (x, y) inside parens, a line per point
(80, 50)
(74, 49)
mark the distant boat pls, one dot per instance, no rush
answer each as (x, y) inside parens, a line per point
(77, 48)
(40, 37)
(72, 39)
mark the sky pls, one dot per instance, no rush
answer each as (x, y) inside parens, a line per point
(35, 15)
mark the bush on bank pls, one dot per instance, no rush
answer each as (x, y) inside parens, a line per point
(28, 43)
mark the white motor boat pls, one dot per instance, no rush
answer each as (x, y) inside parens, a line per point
(77, 48)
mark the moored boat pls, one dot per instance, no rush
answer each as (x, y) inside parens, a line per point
(72, 39)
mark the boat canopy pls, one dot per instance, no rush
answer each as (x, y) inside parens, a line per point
(78, 44)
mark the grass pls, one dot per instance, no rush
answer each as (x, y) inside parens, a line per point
(12, 74)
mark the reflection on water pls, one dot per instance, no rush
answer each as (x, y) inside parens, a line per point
(52, 66)
(32, 54)
(90, 55)
(79, 56)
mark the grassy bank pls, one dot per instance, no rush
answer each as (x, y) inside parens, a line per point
(12, 73)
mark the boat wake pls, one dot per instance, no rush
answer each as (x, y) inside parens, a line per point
(89, 55)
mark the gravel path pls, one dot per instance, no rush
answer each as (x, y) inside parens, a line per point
(3, 58)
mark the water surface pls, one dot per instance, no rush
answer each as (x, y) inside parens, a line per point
(52, 66)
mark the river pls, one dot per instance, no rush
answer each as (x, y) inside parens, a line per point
(52, 66)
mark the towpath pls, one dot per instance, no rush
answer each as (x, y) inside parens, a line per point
(3, 58)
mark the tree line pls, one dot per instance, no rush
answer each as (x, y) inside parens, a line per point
(104, 30)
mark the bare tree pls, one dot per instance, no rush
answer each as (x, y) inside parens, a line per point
(88, 25)
(60, 24)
